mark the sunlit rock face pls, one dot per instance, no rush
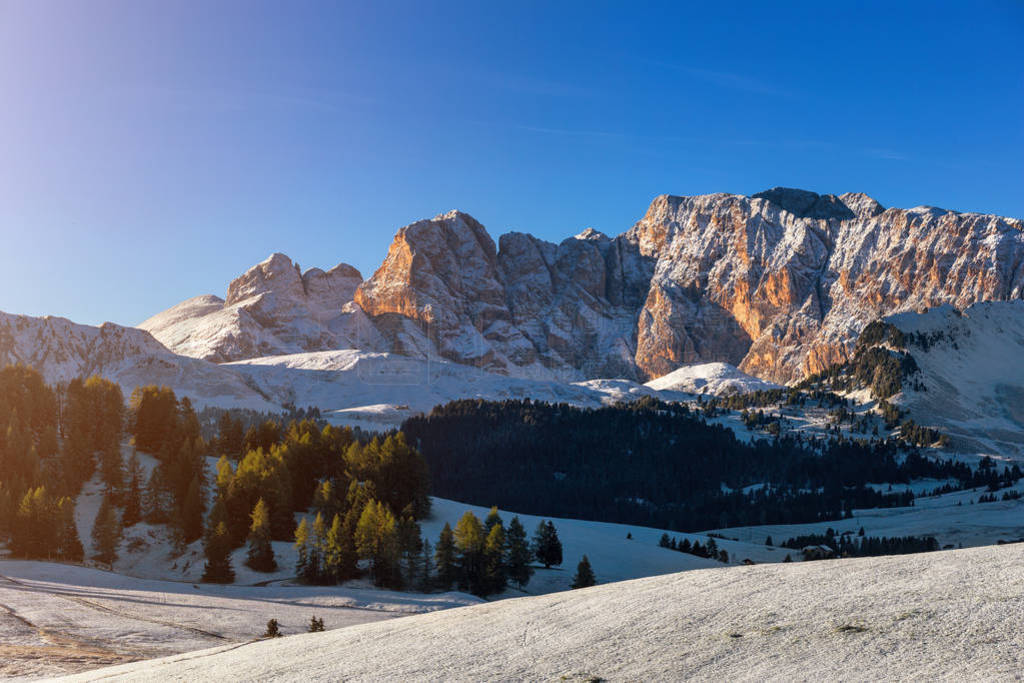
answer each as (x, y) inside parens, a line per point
(779, 284)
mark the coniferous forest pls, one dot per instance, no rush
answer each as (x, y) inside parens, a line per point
(656, 464)
(234, 479)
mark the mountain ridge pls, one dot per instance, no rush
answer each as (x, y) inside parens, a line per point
(778, 284)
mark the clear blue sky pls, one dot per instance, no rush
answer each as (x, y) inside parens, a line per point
(151, 151)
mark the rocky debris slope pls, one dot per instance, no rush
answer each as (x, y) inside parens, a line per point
(778, 284)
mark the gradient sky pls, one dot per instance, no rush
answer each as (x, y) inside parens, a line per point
(152, 151)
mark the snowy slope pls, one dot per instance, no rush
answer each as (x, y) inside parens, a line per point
(973, 374)
(710, 378)
(380, 390)
(951, 615)
(62, 350)
(953, 519)
(60, 618)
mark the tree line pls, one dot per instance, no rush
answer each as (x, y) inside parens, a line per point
(655, 464)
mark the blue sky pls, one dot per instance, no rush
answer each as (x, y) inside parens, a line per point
(151, 151)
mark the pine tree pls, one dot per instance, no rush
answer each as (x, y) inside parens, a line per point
(492, 520)
(106, 534)
(339, 558)
(444, 558)
(410, 546)
(495, 571)
(69, 546)
(261, 553)
(546, 546)
(218, 567)
(273, 629)
(302, 568)
(469, 542)
(192, 511)
(377, 540)
(316, 625)
(518, 554)
(133, 492)
(426, 578)
(317, 544)
(584, 575)
(157, 500)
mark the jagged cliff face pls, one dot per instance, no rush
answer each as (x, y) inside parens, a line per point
(779, 283)
(782, 282)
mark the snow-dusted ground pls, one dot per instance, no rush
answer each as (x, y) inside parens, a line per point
(613, 556)
(711, 378)
(377, 391)
(974, 375)
(953, 615)
(51, 614)
(951, 518)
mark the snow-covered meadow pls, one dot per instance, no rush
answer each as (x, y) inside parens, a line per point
(952, 615)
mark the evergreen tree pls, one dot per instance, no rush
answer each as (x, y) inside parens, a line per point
(133, 492)
(302, 550)
(377, 540)
(445, 559)
(493, 519)
(584, 575)
(495, 572)
(316, 625)
(339, 553)
(546, 546)
(157, 501)
(426, 578)
(106, 533)
(410, 546)
(218, 567)
(261, 553)
(317, 544)
(191, 515)
(273, 629)
(69, 546)
(469, 542)
(518, 555)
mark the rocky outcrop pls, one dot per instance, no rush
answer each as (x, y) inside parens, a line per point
(779, 284)
(272, 309)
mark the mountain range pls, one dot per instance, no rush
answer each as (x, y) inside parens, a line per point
(778, 284)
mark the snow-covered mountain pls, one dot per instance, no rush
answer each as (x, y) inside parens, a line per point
(947, 615)
(711, 378)
(373, 390)
(972, 374)
(778, 284)
(271, 309)
(62, 350)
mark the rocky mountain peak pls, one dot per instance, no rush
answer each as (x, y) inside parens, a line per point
(778, 284)
(806, 204)
(275, 274)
